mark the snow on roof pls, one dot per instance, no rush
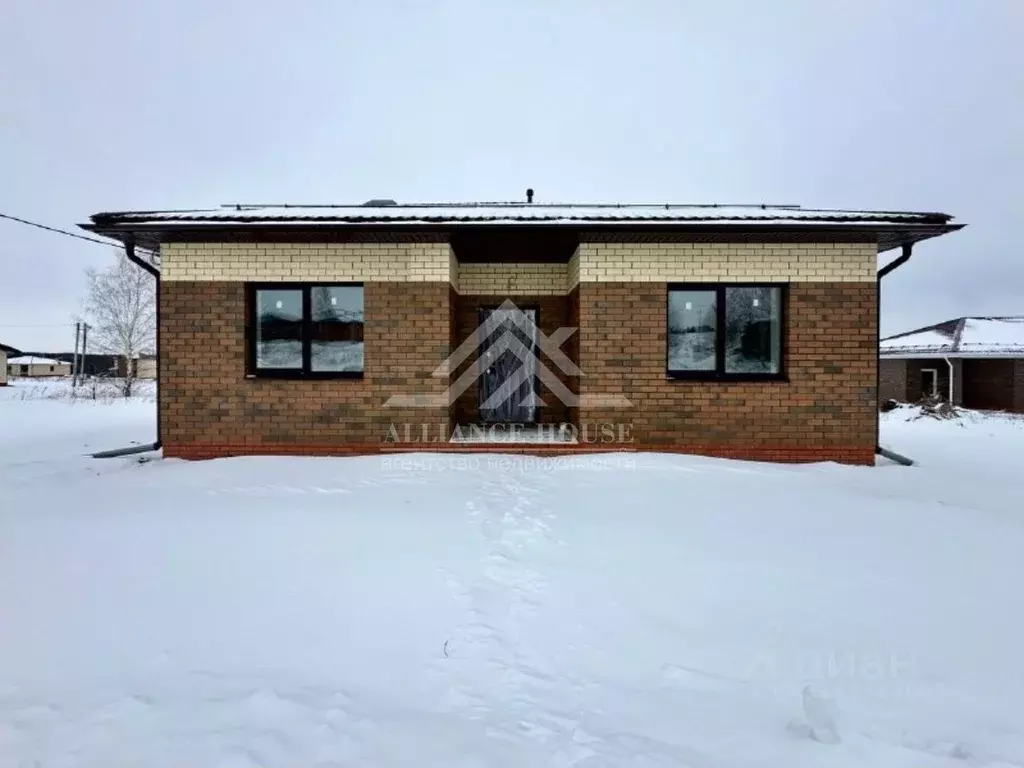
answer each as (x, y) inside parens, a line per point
(33, 360)
(962, 337)
(921, 340)
(998, 332)
(491, 213)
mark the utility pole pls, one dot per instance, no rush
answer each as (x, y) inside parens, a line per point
(74, 358)
(85, 336)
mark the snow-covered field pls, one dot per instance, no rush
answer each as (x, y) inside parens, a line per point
(61, 388)
(495, 611)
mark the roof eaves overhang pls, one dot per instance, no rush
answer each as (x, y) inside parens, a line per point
(150, 235)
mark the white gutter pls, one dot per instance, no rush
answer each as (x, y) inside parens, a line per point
(911, 355)
(950, 379)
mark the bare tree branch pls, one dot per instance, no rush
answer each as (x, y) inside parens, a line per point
(120, 307)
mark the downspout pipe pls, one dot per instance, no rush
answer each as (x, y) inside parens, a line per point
(129, 249)
(950, 380)
(899, 261)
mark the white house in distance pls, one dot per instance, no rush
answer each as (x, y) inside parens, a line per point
(36, 367)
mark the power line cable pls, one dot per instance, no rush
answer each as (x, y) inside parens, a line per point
(59, 231)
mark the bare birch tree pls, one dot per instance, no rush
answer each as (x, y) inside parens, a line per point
(121, 310)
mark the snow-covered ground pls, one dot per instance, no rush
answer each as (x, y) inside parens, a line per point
(62, 388)
(499, 611)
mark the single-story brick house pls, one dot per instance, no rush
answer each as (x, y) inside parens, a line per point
(975, 362)
(740, 331)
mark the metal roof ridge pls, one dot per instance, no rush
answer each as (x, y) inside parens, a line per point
(584, 205)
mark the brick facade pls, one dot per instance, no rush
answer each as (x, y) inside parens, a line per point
(420, 302)
(209, 407)
(1018, 385)
(772, 260)
(915, 379)
(826, 410)
(512, 279)
(978, 383)
(892, 380)
(989, 384)
(372, 261)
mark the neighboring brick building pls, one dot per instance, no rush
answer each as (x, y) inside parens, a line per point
(748, 332)
(983, 356)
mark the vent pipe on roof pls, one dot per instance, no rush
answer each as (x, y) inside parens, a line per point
(529, 195)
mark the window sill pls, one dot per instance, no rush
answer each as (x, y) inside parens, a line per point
(726, 378)
(300, 376)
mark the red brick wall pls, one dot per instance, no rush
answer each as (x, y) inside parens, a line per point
(209, 407)
(827, 410)
(892, 380)
(915, 379)
(1018, 385)
(988, 384)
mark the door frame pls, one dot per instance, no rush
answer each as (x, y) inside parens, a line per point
(481, 308)
(935, 382)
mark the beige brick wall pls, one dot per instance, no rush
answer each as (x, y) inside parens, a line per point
(727, 262)
(513, 278)
(574, 270)
(592, 262)
(363, 262)
(453, 268)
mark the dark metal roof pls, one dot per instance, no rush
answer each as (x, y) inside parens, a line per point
(891, 229)
(988, 336)
(567, 213)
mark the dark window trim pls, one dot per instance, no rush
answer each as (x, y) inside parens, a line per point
(720, 374)
(305, 372)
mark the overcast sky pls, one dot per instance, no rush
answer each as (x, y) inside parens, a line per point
(905, 104)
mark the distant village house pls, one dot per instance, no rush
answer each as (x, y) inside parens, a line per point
(31, 366)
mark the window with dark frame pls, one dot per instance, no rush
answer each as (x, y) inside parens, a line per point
(306, 331)
(725, 331)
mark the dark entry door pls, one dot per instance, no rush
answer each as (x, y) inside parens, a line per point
(508, 354)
